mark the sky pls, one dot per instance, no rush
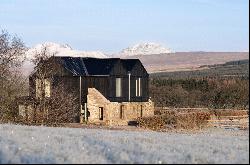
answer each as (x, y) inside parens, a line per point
(112, 25)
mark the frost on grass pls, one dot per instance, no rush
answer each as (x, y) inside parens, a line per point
(23, 144)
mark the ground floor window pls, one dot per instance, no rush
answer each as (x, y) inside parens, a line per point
(122, 112)
(100, 113)
(22, 110)
(141, 111)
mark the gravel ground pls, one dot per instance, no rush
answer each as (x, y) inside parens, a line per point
(30, 144)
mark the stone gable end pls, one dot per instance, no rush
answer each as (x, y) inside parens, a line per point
(115, 113)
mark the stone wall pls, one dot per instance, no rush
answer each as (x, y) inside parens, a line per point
(115, 113)
(95, 100)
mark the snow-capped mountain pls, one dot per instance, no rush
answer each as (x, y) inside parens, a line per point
(56, 50)
(144, 49)
(62, 50)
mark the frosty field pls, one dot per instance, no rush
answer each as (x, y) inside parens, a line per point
(23, 144)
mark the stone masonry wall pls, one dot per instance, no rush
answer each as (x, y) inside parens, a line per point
(95, 100)
(115, 113)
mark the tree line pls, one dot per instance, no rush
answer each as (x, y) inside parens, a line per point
(201, 92)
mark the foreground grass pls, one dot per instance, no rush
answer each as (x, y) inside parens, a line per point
(30, 144)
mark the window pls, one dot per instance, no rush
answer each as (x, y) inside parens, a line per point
(47, 88)
(22, 110)
(121, 111)
(141, 111)
(43, 88)
(118, 91)
(100, 113)
(38, 88)
(138, 89)
(30, 111)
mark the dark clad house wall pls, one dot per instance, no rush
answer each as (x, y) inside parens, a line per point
(32, 87)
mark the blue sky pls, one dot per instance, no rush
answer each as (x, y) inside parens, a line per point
(111, 25)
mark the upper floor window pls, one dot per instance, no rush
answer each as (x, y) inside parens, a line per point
(38, 88)
(138, 87)
(118, 90)
(47, 87)
(43, 87)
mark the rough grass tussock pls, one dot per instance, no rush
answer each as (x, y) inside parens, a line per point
(175, 120)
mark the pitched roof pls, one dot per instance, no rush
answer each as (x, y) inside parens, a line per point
(82, 66)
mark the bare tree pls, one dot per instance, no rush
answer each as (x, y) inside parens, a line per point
(43, 70)
(12, 82)
(12, 53)
(59, 105)
(62, 106)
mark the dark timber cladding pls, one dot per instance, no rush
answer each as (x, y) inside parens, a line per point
(104, 74)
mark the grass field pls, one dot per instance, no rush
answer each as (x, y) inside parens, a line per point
(37, 144)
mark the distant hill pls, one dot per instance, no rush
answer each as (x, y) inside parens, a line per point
(187, 61)
(155, 57)
(239, 68)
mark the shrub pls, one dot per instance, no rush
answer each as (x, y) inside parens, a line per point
(223, 112)
(155, 123)
(192, 120)
(175, 120)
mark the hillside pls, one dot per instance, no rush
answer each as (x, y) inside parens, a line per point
(186, 61)
(239, 68)
(155, 57)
